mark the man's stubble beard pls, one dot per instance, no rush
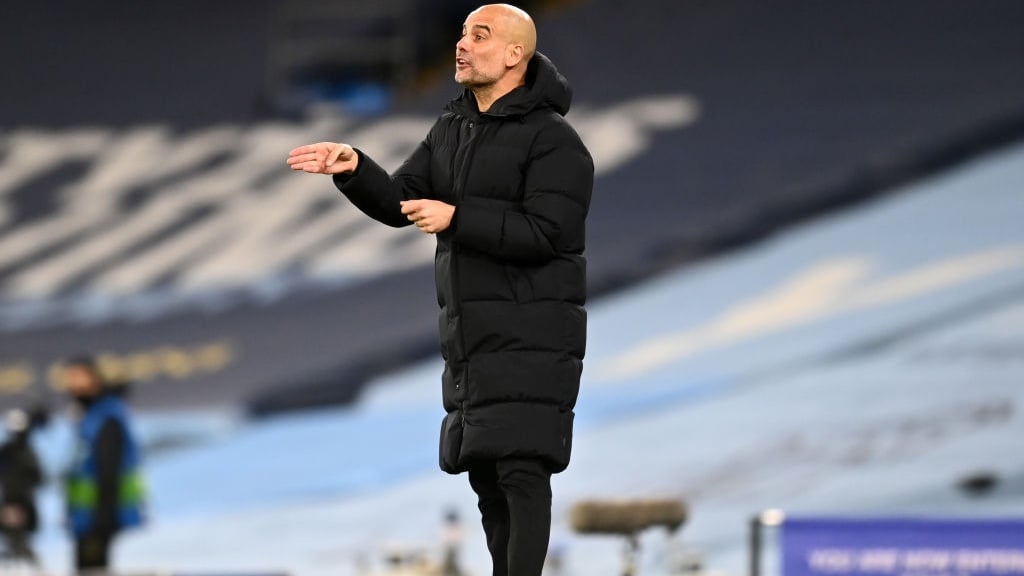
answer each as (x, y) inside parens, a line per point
(475, 81)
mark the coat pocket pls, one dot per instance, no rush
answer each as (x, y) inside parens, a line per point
(451, 442)
(565, 453)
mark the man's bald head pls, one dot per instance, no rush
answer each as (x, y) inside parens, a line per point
(514, 25)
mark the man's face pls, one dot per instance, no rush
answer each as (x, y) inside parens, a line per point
(480, 53)
(81, 382)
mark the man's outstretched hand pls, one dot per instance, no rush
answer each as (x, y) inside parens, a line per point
(324, 158)
(430, 216)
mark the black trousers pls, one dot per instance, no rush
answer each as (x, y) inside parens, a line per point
(18, 546)
(92, 552)
(514, 497)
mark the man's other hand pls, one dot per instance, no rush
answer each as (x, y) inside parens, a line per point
(430, 216)
(324, 158)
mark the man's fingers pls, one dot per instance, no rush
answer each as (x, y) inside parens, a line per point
(312, 149)
(301, 158)
(332, 156)
(302, 150)
(313, 167)
(304, 154)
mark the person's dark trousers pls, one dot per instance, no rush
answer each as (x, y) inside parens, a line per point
(515, 506)
(18, 546)
(92, 553)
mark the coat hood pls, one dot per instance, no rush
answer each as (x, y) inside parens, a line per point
(544, 88)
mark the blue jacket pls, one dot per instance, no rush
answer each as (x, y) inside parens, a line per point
(83, 489)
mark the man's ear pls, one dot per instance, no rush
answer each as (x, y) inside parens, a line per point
(514, 55)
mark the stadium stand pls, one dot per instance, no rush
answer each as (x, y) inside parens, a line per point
(167, 233)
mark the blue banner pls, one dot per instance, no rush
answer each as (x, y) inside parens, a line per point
(902, 547)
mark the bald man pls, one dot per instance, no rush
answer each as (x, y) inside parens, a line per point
(504, 183)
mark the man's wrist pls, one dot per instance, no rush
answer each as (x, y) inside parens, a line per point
(343, 177)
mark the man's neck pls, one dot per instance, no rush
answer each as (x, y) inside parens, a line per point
(486, 96)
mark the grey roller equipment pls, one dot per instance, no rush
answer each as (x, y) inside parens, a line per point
(627, 517)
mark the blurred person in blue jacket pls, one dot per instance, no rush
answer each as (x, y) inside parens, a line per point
(104, 488)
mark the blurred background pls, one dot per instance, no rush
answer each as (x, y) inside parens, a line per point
(806, 267)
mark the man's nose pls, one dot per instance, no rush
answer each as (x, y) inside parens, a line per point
(460, 46)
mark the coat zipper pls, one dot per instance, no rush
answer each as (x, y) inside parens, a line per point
(460, 183)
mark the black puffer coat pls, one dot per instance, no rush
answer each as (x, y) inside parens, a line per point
(510, 272)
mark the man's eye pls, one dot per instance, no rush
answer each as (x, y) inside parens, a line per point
(479, 37)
